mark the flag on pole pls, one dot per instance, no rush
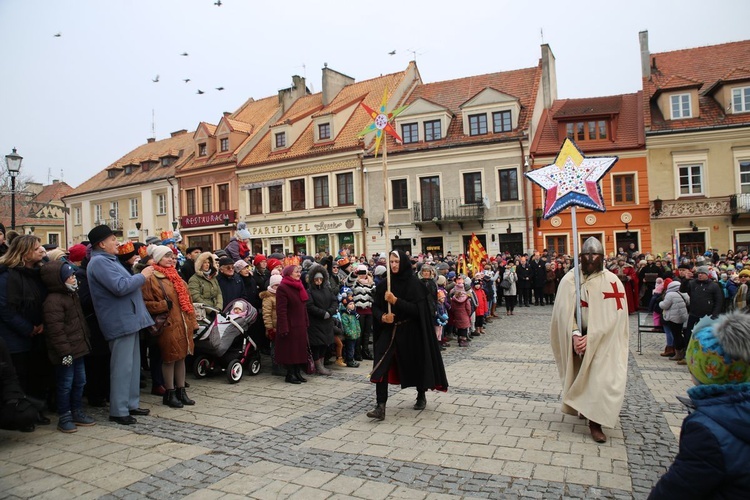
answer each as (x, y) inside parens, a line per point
(476, 253)
(461, 267)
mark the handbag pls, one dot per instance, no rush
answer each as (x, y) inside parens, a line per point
(505, 284)
(160, 319)
(310, 368)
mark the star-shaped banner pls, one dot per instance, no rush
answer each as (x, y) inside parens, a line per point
(573, 179)
(381, 121)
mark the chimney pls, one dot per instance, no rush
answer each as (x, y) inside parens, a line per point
(333, 83)
(55, 181)
(227, 113)
(645, 55)
(289, 96)
(549, 76)
(179, 132)
(150, 140)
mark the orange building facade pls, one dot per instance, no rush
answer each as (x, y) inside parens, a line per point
(601, 126)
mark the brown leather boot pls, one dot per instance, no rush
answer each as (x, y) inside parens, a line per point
(596, 432)
(668, 351)
(378, 413)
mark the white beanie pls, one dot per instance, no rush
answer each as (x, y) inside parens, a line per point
(159, 252)
(275, 279)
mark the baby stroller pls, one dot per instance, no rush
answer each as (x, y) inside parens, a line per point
(222, 341)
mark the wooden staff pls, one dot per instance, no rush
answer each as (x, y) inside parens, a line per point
(385, 215)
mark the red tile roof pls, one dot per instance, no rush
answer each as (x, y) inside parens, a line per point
(53, 192)
(625, 110)
(704, 67)
(181, 146)
(369, 91)
(452, 94)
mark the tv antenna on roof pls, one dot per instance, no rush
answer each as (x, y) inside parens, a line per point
(153, 124)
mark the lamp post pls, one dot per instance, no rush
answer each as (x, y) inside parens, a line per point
(13, 161)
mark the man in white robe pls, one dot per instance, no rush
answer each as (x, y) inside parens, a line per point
(592, 357)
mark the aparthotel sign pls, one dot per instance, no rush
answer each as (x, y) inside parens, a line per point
(301, 228)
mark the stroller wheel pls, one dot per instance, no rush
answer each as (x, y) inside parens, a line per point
(201, 366)
(253, 367)
(234, 371)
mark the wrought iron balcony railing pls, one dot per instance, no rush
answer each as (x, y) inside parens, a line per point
(739, 204)
(448, 210)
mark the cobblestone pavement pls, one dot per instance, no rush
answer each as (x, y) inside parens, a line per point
(497, 433)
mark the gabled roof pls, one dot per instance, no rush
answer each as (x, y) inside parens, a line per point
(369, 91)
(626, 109)
(734, 75)
(53, 192)
(455, 94)
(180, 145)
(703, 67)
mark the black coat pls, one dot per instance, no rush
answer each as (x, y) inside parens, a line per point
(322, 301)
(232, 288)
(538, 272)
(523, 271)
(407, 351)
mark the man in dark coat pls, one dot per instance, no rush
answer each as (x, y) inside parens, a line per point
(188, 267)
(538, 278)
(406, 351)
(525, 282)
(230, 282)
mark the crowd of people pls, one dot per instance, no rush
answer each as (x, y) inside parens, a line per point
(93, 320)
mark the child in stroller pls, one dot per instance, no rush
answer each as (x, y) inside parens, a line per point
(223, 342)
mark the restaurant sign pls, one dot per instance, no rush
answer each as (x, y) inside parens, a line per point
(207, 219)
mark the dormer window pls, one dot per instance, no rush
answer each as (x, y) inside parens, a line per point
(501, 122)
(202, 150)
(680, 105)
(478, 124)
(280, 138)
(224, 144)
(111, 174)
(432, 130)
(592, 130)
(165, 162)
(410, 133)
(129, 169)
(324, 131)
(741, 100)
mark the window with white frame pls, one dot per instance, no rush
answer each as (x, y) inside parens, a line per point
(133, 208)
(115, 205)
(432, 130)
(508, 184)
(345, 189)
(324, 131)
(280, 139)
(478, 124)
(320, 188)
(680, 105)
(161, 204)
(691, 179)
(98, 214)
(224, 144)
(745, 176)
(741, 100)
(77, 216)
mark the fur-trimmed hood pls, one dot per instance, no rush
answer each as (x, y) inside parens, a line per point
(315, 269)
(202, 258)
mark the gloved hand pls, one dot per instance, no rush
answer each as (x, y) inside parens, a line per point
(67, 360)
(326, 315)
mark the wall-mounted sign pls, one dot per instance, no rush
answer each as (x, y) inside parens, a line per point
(254, 185)
(207, 219)
(304, 228)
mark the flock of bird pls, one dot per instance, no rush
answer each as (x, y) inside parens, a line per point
(184, 54)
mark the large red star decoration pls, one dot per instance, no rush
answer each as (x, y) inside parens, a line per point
(614, 294)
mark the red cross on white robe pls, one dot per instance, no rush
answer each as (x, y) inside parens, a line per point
(614, 294)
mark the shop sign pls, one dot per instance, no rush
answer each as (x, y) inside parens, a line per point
(255, 185)
(207, 219)
(296, 229)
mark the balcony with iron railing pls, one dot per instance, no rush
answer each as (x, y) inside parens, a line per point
(114, 224)
(447, 210)
(739, 204)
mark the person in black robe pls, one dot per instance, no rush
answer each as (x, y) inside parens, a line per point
(406, 350)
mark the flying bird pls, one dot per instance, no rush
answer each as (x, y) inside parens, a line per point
(184, 54)
(392, 53)
(186, 80)
(217, 3)
(200, 92)
(57, 35)
(156, 80)
(219, 88)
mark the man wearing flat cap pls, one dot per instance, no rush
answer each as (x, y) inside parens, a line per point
(121, 312)
(706, 299)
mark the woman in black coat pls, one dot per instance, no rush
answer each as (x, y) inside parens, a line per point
(406, 350)
(321, 306)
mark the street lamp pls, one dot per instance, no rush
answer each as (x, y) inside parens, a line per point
(174, 225)
(13, 161)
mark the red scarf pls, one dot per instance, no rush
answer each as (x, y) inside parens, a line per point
(296, 284)
(183, 296)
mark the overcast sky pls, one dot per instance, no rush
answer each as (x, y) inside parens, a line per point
(77, 102)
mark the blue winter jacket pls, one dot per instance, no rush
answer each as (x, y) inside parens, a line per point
(117, 297)
(714, 456)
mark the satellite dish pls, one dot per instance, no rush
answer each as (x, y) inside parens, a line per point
(112, 212)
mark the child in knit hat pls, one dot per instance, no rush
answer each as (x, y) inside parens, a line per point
(714, 453)
(351, 327)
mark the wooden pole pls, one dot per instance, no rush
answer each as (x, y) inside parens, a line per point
(385, 216)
